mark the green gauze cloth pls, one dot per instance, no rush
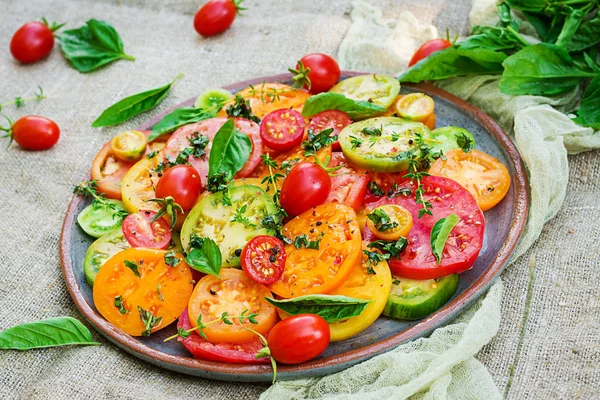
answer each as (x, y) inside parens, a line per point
(443, 366)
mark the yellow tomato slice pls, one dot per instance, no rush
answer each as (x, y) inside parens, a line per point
(398, 215)
(486, 178)
(129, 145)
(268, 97)
(324, 268)
(415, 107)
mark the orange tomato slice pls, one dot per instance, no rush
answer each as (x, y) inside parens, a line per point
(486, 178)
(415, 107)
(267, 97)
(235, 293)
(152, 288)
(310, 270)
(399, 215)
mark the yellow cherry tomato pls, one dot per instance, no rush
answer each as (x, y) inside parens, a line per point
(415, 107)
(129, 145)
(399, 222)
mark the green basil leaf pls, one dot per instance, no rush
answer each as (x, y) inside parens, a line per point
(589, 109)
(587, 35)
(206, 259)
(51, 332)
(439, 235)
(455, 61)
(495, 38)
(178, 118)
(527, 5)
(540, 22)
(541, 69)
(131, 106)
(331, 307)
(230, 151)
(572, 22)
(92, 46)
(356, 109)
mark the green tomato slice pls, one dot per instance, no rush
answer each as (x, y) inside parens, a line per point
(412, 299)
(230, 226)
(451, 137)
(380, 90)
(383, 144)
(212, 100)
(98, 220)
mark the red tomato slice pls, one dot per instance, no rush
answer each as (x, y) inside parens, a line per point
(236, 353)
(209, 127)
(335, 119)
(348, 184)
(283, 129)
(141, 231)
(447, 197)
(263, 259)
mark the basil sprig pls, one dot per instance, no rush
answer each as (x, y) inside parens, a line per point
(51, 332)
(133, 105)
(205, 256)
(331, 308)
(92, 46)
(589, 110)
(178, 118)
(356, 109)
(439, 235)
(230, 151)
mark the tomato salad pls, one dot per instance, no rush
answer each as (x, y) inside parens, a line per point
(274, 221)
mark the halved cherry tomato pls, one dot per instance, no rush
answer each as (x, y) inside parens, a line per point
(447, 197)
(268, 97)
(235, 353)
(348, 184)
(234, 293)
(322, 266)
(283, 129)
(129, 145)
(335, 119)
(324, 72)
(398, 215)
(263, 259)
(306, 186)
(181, 182)
(415, 107)
(298, 338)
(486, 178)
(428, 48)
(141, 231)
(136, 290)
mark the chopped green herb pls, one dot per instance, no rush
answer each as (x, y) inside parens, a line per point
(302, 240)
(132, 266)
(119, 305)
(171, 259)
(382, 220)
(149, 320)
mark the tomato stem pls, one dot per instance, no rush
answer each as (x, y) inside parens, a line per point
(238, 7)
(300, 77)
(128, 57)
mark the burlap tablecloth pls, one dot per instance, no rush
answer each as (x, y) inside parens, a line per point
(555, 354)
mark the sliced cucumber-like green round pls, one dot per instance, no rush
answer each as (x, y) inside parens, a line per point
(412, 299)
(378, 89)
(383, 144)
(230, 226)
(212, 100)
(451, 137)
(98, 220)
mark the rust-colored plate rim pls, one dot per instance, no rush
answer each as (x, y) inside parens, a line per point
(326, 365)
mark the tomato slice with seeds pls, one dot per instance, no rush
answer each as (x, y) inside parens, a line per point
(348, 184)
(141, 231)
(263, 259)
(235, 353)
(335, 119)
(399, 216)
(447, 197)
(268, 97)
(330, 249)
(283, 129)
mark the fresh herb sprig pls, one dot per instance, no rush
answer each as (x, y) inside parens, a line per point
(382, 221)
(241, 108)
(271, 94)
(149, 320)
(89, 189)
(244, 317)
(20, 101)
(317, 141)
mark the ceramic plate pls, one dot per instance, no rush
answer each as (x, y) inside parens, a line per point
(504, 225)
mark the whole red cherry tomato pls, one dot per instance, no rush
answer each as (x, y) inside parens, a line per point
(319, 72)
(306, 186)
(216, 16)
(298, 338)
(428, 48)
(34, 133)
(182, 182)
(33, 41)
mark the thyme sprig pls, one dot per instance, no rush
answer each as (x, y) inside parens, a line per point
(149, 320)
(89, 189)
(270, 93)
(227, 319)
(20, 101)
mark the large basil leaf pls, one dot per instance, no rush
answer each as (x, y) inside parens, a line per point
(572, 22)
(133, 105)
(589, 110)
(92, 46)
(495, 38)
(455, 61)
(230, 151)
(51, 332)
(587, 35)
(541, 69)
(356, 109)
(178, 118)
(332, 308)
(206, 259)
(439, 235)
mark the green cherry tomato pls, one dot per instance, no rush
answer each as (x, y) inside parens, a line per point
(212, 100)
(451, 137)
